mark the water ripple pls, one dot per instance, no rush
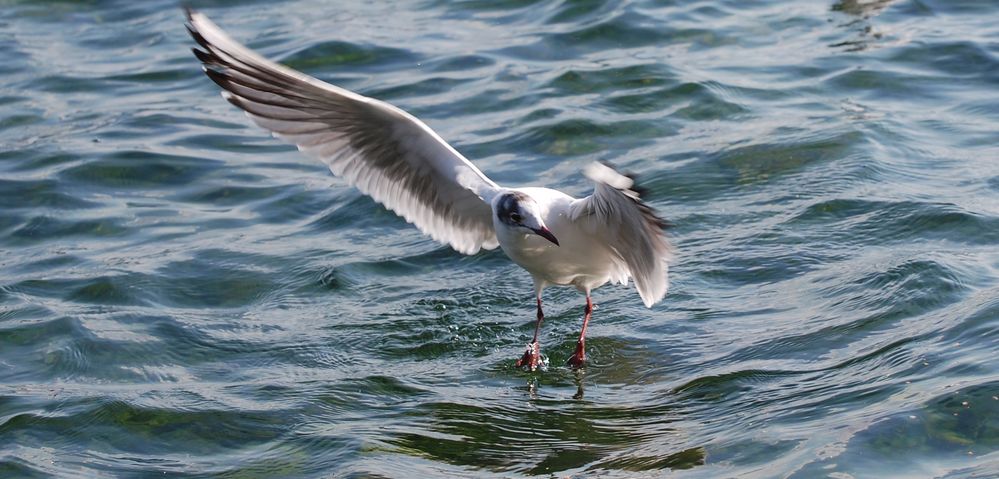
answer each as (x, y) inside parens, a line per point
(182, 294)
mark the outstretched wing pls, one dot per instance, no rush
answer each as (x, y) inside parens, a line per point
(385, 152)
(615, 213)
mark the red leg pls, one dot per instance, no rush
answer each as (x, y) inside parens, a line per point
(579, 357)
(533, 354)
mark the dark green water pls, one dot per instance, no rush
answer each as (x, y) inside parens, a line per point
(183, 295)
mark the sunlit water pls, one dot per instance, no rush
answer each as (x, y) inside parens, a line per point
(180, 293)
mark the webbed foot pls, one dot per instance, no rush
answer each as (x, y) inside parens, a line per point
(532, 357)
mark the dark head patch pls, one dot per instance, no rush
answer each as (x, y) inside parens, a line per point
(508, 205)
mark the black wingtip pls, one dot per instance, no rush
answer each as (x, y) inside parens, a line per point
(235, 101)
(196, 35)
(218, 77)
(204, 56)
(638, 189)
(188, 11)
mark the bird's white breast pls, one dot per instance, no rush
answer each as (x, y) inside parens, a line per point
(580, 259)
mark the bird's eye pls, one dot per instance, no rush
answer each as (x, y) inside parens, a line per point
(516, 217)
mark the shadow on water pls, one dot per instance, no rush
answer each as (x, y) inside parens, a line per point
(547, 437)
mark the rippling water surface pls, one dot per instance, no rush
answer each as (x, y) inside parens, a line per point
(182, 294)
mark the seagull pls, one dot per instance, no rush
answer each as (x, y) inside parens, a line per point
(397, 160)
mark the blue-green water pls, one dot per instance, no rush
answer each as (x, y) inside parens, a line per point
(182, 294)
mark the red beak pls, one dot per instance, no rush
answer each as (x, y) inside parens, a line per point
(546, 233)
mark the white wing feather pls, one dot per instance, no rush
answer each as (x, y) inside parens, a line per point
(385, 152)
(616, 214)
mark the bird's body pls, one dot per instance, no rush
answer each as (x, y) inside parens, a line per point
(580, 259)
(399, 161)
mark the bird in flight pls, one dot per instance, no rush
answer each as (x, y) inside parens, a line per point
(401, 163)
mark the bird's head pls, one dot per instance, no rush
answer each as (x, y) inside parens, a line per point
(520, 212)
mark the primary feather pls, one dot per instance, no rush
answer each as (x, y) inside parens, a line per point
(400, 162)
(385, 152)
(616, 214)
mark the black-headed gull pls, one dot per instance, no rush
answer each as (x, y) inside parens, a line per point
(400, 162)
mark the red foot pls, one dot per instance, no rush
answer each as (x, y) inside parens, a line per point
(578, 358)
(532, 357)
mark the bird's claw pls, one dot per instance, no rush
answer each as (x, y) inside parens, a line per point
(531, 358)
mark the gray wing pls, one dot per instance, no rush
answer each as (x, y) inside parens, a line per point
(616, 214)
(385, 152)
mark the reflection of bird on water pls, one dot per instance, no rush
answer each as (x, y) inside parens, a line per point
(400, 162)
(863, 10)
